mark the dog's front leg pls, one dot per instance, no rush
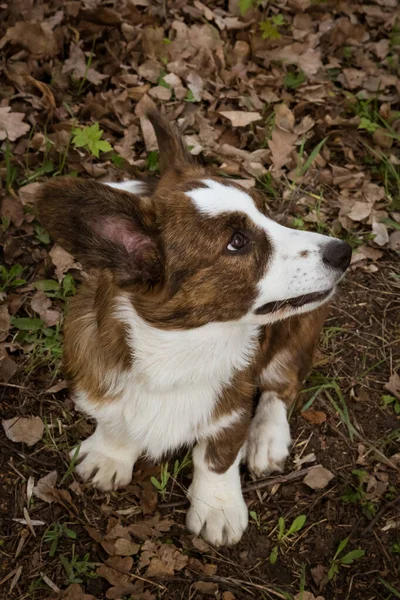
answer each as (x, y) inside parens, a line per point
(218, 511)
(107, 456)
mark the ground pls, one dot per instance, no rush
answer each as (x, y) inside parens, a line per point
(299, 98)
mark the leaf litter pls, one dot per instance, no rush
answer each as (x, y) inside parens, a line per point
(298, 98)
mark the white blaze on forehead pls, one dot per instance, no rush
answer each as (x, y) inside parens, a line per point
(218, 198)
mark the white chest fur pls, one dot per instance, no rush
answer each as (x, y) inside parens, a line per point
(168, 397)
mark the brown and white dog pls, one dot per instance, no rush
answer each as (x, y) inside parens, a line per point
(200, 303)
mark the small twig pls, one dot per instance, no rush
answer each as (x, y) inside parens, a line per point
(378, 516)
(293, 476)
(13, 385)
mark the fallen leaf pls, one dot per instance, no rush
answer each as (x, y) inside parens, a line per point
(54, 389)
(162, 560)
(125, 547)
(40, 303)
(77, 64)
(195, 85)
(381, 233)
(45, 488)
(284, 117)
(8, 367)
(63, 261)
(28, 193)
(150, 528)
(393, 385)
(27, 430)
(318, 574)
(241, 118)
(206, 587)
(318, 478)
(394, 241)
(116, 569)
(314, 416)
(37, 38)
(12, 126)
(281, 145)
(228, 596)
(12, 209)
(5, 322)
(360, 211)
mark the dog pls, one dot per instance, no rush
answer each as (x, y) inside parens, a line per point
(199, 303)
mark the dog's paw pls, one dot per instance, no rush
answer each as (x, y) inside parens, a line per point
(269, 439)
(105, 471)
(219, 516)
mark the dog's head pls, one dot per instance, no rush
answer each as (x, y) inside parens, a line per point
(196, 250)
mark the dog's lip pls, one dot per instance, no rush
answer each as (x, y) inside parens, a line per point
(295, 302)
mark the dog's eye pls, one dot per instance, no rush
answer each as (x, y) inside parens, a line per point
(237, 242)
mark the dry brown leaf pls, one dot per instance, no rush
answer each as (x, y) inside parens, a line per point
(12, 209)
(160, 92)
(45, 488)
(366, 252)
(8, 367)
(354, 77)
(154, 528)
(381, 233)
(393, 385)
(318, 478)
(77, 65)
(195, 85)
(5, 322)
(63, 261)
(40, 303)
(12, 126)
(360, 210)
(125, 547)
(37, 38)
(394, 241)
(206, 587)
(317, 417)
(28, 193)
(27, 430)
(116, 569)
(281, 145)
(54, 389)
(240, 118)
(162, 559)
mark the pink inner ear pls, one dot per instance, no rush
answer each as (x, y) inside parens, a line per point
(120, 231)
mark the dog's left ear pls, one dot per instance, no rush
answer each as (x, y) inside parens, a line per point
(173, 152)
(104, 228)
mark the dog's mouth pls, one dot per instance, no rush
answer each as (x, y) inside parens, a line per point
(296, 302)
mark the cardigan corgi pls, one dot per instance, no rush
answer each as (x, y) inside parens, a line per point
(198, 303)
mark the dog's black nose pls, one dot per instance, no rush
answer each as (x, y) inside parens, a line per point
(337, 254)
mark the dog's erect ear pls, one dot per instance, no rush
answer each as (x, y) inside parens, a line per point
(173, 153)
(103, 227)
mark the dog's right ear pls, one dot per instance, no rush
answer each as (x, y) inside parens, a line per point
(173, 152)
(104, 228)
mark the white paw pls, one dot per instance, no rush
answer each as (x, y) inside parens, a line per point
(220, 516)
(269, 439)
(107, 470)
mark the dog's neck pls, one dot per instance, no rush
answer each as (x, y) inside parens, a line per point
(167, 359)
